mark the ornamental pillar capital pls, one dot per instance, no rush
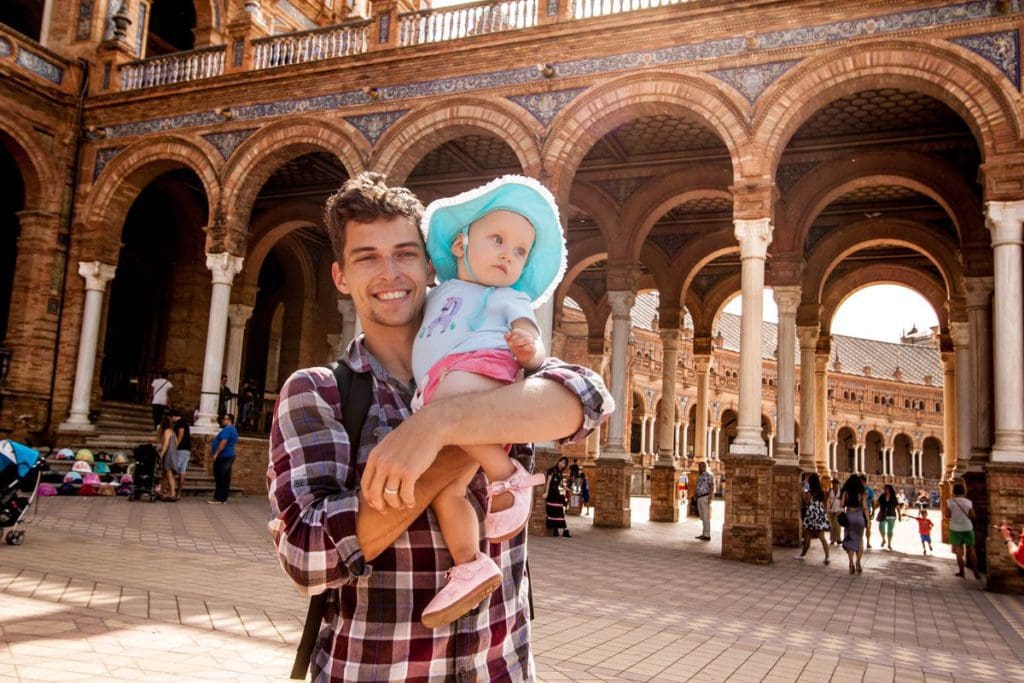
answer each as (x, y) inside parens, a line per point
(224, 267)
(96, 275)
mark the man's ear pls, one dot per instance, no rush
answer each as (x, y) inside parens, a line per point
(338, 275)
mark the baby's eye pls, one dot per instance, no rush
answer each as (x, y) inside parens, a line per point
(520, 252)
(498, 240)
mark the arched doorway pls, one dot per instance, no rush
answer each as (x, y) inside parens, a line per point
(874, 442)
(12, 200)
(846, 451)
(931, 458)
(903, 446)
(172, 25)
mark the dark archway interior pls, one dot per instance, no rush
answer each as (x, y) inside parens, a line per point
(271, 285)
(171, 25)
(12, 200)
(141, 295)
(24, 16)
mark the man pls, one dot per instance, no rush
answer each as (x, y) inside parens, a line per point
(705, 489)
(335, 512)
(160, 393)
(223, 449)
(224, 397)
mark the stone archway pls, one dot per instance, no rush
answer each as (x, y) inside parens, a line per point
(903, 447)
(931, 459)
(874, 442)
(846, 450)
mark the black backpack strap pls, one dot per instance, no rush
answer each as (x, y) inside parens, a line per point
(356, 391)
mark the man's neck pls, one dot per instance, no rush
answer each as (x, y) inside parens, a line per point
(392, 347)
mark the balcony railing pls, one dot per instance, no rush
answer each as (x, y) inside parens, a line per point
(179, 67)
(311, 46)
(585, 9)
(452, 23)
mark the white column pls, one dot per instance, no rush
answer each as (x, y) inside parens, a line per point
(44, 26)
(1005, 224)
(701, 451)
(979, 302)
(643, 435)
(238, 316)
(820, 409)
(771, 445)
(621, 304)
(949, 413)
(223, 267)
(787, 299)
(718, 445)
(808, 344)
(96, 276)
(835, 457)
(754, 237)
(652, 423)
(684, 436)
(961, 335)
(594, 440)
(859, 458)
(348, 322)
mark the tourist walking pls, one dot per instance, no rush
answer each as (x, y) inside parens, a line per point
(835, 506)
(160, 394)
(584, 492)
(854, 501)
(183, 434)
(960, 511)
(888, 513)
(223, 450)
(924, 530)
(869, 506)
(815, 520)
(554, 499)
(705, 489)
(168, 447)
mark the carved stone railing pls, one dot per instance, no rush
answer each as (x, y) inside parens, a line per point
(311, 46)
(178, 67)
(585, 9)
(452, 23)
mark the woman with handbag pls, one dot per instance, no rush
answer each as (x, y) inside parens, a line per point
(815, 518)
(855, 505)
(960, 511)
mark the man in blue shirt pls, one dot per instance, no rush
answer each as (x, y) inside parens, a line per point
(223, 450)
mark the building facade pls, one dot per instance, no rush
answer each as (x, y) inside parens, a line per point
(166, 164)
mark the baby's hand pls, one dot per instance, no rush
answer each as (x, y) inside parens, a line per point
(522, 344)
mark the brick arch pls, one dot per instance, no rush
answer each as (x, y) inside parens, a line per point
(296, 251)
(697, 254)
(852, 237)
(418, 132)
(580, 125)
(715, 301)
(594, 317)
(660, 270)
(962, 80)
(256, 159)
(207, 15)
(598, 206)
(272, 227)
(105, 208)
(38, 173)
(929, 175)
(648, 204)
(841, 289)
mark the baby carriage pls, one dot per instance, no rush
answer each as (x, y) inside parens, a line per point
(19, 480)
(145, 471)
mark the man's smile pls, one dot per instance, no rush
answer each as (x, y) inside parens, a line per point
(392, 295)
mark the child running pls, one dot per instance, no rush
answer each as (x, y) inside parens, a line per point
(498, 252)
(924, 528)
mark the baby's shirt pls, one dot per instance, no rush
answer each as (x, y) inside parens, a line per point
(446, 317)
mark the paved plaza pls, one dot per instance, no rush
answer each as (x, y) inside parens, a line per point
(104, 589)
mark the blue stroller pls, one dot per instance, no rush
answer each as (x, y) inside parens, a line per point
(19, 480)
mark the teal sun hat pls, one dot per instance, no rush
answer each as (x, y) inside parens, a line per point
(446, 218)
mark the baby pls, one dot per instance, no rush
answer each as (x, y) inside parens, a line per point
(498, 252)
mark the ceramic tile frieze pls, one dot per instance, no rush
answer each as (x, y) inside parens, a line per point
(103, 157)
(40, 65)
(6, 49)
(372, 126)
(1001, 49)
(545, 106)
(226, 143)
(753, 80)
(84, 25)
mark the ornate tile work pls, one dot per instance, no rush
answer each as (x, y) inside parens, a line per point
(216, 13)
(1002, 49)
(140, 29)
(383, 28)
(295, 15)
(103, 157)
(40, 65)
(5, 48)
(226, 143)
(552, 8)
(238, 52)
(106, 75)
(544, 106)
(751, 81)
(84, 26)
(669, 244)
(621, 189)
(372, 126)
(787, 176)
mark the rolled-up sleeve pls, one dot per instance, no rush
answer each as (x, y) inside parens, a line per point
(312, 485)
(587, 385)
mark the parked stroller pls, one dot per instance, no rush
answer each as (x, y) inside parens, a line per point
(19, 480)
(144, 474)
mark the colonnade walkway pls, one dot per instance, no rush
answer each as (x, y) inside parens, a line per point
(103, 589)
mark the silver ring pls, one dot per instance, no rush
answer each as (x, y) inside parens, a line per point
(392, 491)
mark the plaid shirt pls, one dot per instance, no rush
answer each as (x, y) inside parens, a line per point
(374, 633)
(705, 482)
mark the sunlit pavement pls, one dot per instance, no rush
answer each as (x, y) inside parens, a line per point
(103, 589)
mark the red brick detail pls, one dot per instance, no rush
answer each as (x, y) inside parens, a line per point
(786, 500)
(964, 81)
(420, 131)
(576, 129)
(610, 493)
(1005, 489)
(38, 173)
(664, 494)
(270, 228)
(102, 214)
(747, 533)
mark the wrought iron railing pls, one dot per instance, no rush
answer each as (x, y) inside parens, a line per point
(452, 23)
(311, 46)
(179, 67)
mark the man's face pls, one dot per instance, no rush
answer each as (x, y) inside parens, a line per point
(385, 271)
(701, 467)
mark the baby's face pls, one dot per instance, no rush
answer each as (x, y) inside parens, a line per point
(499, 244)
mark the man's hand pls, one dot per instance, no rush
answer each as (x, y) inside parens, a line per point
(398, 460)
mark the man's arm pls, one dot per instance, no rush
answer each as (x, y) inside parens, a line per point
(560, 401)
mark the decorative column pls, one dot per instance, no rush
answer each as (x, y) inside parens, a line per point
(238, 316)
(223, 267)
(821, 358)
(786, 491)
(979, 303)
(664, 487)
(96, 276)
(701, 447)
(961, 334)
(643, 435)
(747, 529)
(683, 429)
(949, 414)
(614, 467)
(1005, 224)
(808, 345)
(597, 365)
(348, 321)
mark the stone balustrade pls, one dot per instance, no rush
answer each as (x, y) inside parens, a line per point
(351, 38)
(452, 23)
(178, 67)
(585, 9)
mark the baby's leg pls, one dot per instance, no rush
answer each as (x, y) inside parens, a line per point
(458, 521)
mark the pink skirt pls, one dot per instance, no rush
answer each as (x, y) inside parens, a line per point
(498, 364)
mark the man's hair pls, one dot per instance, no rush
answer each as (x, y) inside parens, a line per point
(364, 199)
(959, 490)
(229, 416)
